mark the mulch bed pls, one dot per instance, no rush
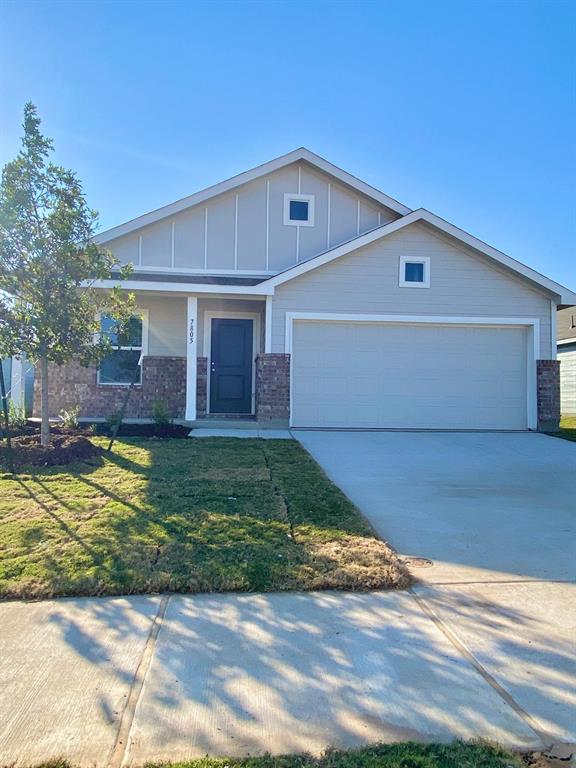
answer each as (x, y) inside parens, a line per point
(63, 449)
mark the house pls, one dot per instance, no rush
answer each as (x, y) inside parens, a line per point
(566, 324)
(297, 293)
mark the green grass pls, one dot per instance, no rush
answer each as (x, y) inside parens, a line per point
(186, 515)
(404, 755)
(567, 428)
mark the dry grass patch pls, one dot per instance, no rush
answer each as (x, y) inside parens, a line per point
(201, 515)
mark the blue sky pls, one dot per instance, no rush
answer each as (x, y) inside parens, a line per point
(467, 109)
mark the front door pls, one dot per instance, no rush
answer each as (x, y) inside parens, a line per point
(231, 366)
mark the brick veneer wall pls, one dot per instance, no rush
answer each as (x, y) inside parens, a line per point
(201, 385)
(548, 390)
(163, 379)
(272, 387)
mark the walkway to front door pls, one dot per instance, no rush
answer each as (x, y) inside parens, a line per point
(231, 366)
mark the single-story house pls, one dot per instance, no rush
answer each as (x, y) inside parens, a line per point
(567, 358)
(296, 293)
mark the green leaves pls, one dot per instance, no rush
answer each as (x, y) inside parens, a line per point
(49, 261)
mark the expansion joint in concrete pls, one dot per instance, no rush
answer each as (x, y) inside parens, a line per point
(123, 737)
(546, 739)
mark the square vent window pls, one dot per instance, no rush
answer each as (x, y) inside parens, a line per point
(299, 210)
(414, 272)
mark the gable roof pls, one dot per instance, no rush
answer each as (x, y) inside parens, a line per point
(566, 296)
(243, 178)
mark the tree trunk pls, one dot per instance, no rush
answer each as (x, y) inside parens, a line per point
(45, 424)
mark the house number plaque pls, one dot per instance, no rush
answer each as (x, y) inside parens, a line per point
(191, 332)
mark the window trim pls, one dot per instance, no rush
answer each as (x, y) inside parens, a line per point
(144, 316)
(403, 283)
(297, 197)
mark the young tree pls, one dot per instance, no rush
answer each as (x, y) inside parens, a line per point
(49, 308)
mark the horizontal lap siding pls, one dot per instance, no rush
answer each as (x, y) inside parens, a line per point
(568, 380)
(366, 282)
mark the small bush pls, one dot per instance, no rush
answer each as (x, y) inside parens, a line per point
(70, 417)
(16, 416)
(160, 414)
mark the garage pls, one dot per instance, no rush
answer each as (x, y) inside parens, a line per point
(409, 375)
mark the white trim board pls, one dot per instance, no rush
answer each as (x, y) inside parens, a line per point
(532, 339)
(222, 314)
(243, 178)
(247, 291)
(144, 315)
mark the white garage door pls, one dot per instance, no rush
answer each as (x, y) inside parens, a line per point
(408, 376)
(567, 357)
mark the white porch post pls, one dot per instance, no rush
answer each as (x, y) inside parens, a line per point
(191, 357)
(268, 326)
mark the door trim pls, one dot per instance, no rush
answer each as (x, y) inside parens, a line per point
(532, 339)
(210, 315)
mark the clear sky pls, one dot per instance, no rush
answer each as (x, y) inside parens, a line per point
(466, 108)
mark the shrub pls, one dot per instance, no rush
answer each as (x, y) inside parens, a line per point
(160, 414)
(16, 416)
(70, 417)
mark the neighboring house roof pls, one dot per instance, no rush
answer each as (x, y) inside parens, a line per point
(243, 178)
(567, 297)
(566, 324)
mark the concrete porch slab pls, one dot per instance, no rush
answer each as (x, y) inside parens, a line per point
(266, 434)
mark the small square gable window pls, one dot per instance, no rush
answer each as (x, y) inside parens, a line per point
(414, 272)
(299, 210)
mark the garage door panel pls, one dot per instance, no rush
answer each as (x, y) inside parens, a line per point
(408, 376)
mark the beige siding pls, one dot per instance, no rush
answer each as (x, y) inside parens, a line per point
(246, 229)
(367, 282)
(166, 324)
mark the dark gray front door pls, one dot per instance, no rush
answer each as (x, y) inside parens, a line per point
(231, 366)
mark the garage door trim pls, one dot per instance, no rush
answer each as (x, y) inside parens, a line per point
(531, 323)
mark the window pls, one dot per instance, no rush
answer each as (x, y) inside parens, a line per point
(123, 363)
(299, 210)
(414, 272)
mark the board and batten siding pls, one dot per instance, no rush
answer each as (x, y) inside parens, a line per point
(366, 282)
(243, 230)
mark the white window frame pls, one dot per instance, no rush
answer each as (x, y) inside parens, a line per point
(143, 315)
(297, 197)
(403, 283)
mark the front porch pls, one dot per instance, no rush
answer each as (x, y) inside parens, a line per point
(206, 359)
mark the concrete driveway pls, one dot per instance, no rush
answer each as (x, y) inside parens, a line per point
(496, 515)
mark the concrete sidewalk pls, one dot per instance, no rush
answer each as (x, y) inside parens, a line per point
(118, 681)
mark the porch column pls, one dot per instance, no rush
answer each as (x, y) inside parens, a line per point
(191, 357)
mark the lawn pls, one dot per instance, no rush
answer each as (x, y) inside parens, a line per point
(211, 514)
(404, 755)
(567, 428)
